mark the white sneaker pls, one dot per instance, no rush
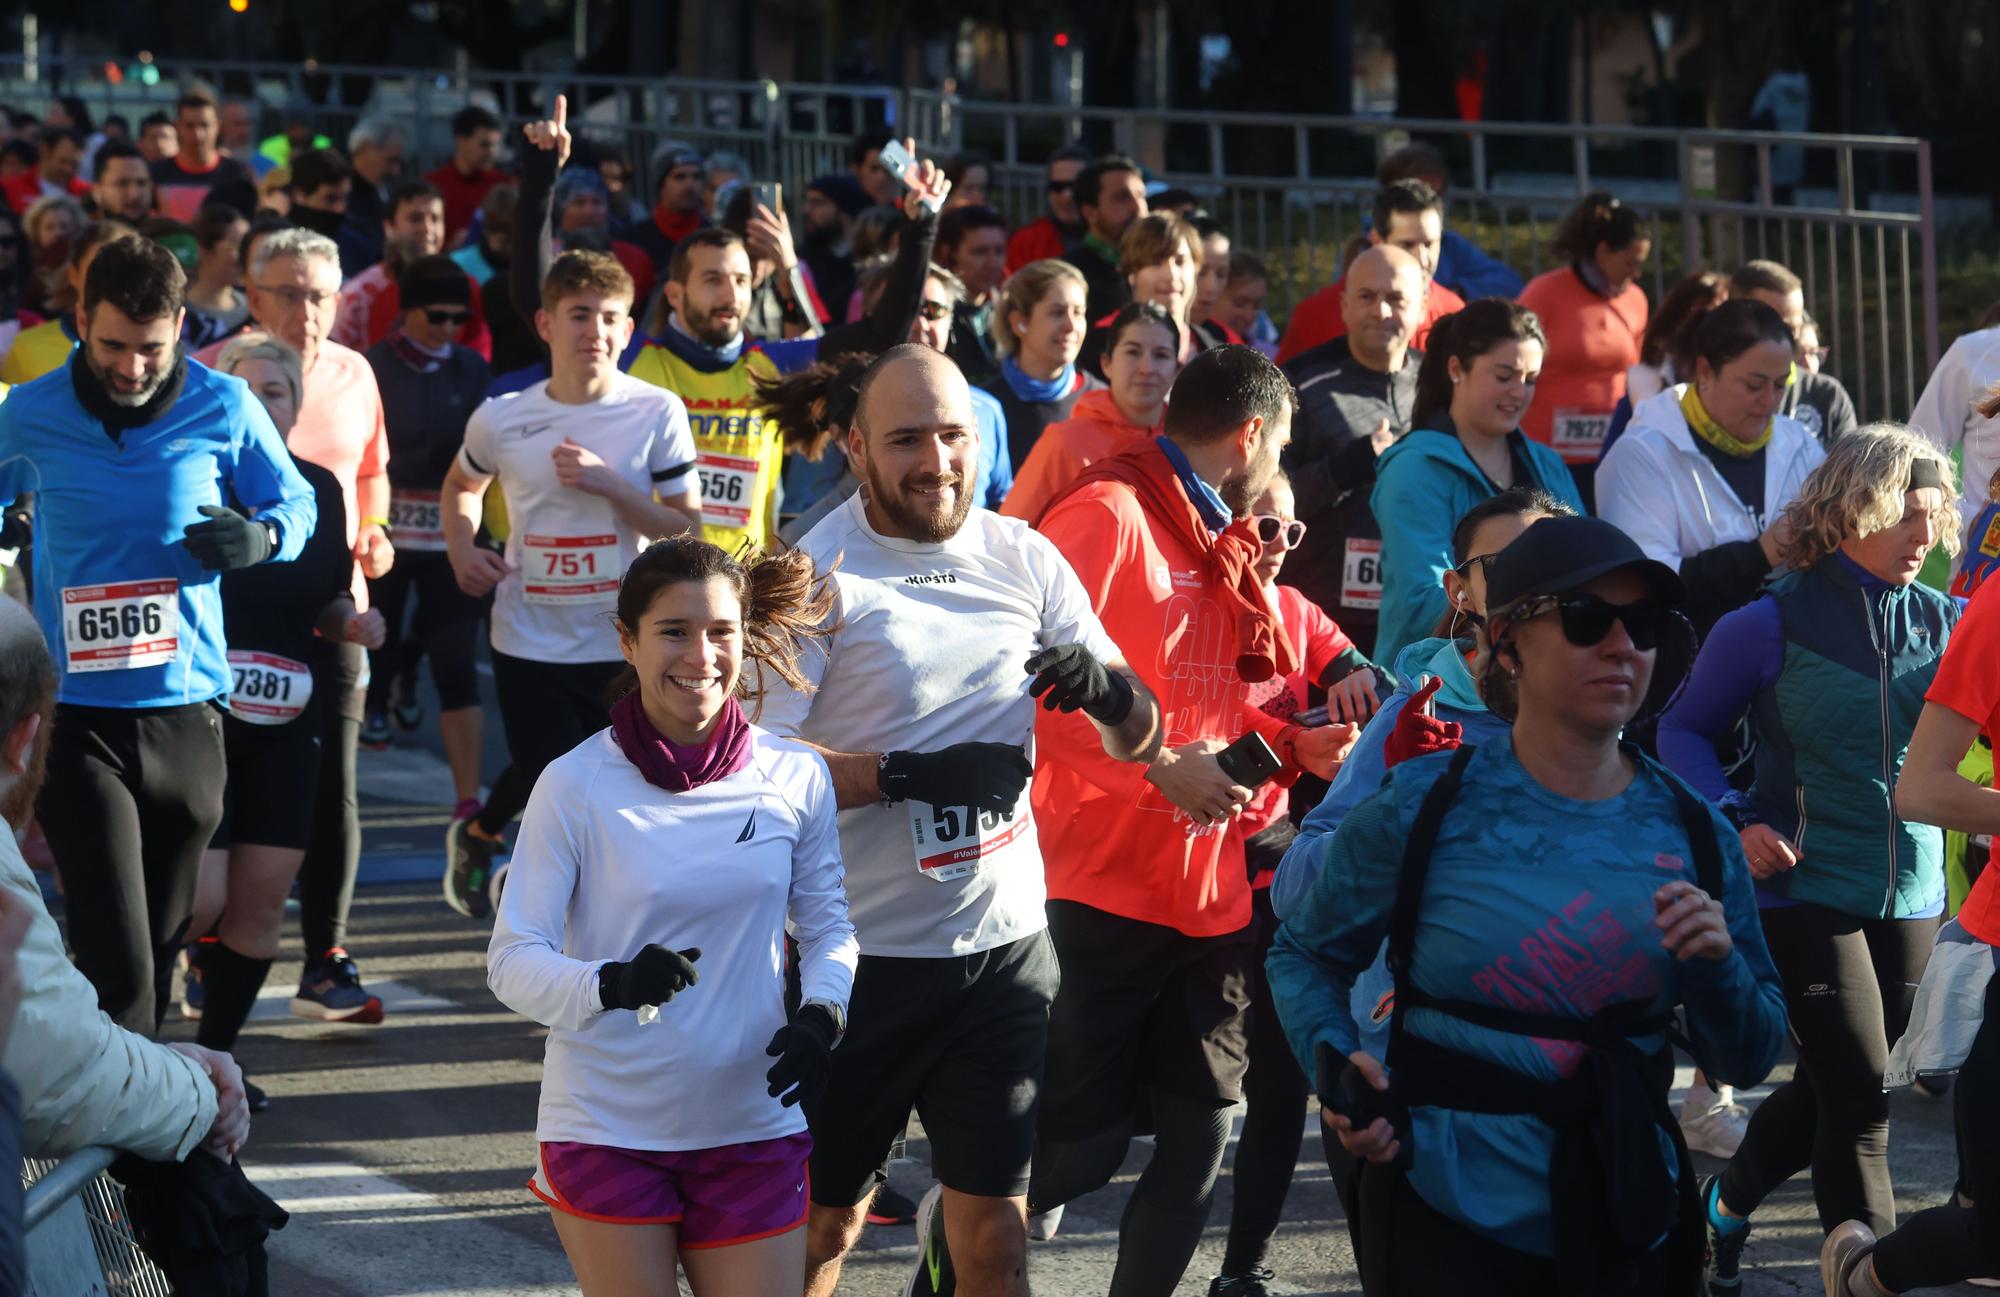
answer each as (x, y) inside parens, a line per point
(1042, 1225)
(1713, 1123)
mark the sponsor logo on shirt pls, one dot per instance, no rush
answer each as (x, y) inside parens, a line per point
(1188, 580)
(749, 827)
(182, 446)
(536, 431)
(931, 578)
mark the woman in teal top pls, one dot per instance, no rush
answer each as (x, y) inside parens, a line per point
(1464, 444)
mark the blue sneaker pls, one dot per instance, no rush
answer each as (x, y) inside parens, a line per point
(192, 995)
(1722, 1258)
(331, 991)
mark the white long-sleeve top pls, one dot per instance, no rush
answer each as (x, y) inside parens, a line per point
(605, 865)
(1944, 413)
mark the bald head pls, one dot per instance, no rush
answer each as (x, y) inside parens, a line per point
(1383, 305)
(915, 443)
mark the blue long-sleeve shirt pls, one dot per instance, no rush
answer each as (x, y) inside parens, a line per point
(1537, 902)
(109, 518)
(1470, 273)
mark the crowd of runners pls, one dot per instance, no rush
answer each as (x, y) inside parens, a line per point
(988, 673)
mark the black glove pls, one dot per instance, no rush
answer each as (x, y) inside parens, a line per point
(654, 976)
(1068, 678)
(227, 540)
(985, 776)
(17, 527)
(801, 1049)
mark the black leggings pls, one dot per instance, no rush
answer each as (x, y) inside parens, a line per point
(1952, 1243)
(547, 708)
(132, 798)
(1848, 983)
(445, 626)
(333, 855)
(1274, 1095)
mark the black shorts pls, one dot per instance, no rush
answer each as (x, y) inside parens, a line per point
(962, 1041)
(273, 769)
(1142, 1007)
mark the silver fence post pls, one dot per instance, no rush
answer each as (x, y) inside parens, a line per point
(1690, 219)
(1927, 209)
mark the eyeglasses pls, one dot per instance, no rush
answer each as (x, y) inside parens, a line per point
(934, 311)
(1815, 353)
(442, 318)
(1586, 619)
(1269, 527)
(1464, 569)
(293, 298)
(1061, 186)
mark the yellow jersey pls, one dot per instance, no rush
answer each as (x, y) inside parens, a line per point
(41, 350)
(740, 457)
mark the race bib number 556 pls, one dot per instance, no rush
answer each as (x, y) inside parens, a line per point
(121, 627)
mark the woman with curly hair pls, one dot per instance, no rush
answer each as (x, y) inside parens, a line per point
(644, 921)
(1831, 665)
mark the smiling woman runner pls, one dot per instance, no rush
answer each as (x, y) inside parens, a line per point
(1549, 897)
(659, 862)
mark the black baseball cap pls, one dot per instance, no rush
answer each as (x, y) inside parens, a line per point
(1557, 555)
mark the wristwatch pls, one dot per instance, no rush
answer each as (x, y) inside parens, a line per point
(839, 1018)
(271, 533)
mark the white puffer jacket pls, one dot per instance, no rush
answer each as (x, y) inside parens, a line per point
(85, 1080)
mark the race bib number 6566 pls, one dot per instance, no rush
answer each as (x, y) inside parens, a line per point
(121, 627)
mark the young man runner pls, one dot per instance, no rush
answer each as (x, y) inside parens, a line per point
(922, 710)
(593, 465)
(134, 456)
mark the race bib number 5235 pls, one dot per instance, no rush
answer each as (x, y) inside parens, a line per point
(121, 627)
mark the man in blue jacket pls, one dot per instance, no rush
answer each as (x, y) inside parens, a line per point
(139, 463)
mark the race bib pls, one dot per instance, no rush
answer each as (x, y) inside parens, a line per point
(1361, 574)
(418, 520)
(728, 489)
(953, 842)
(267, 689)
(1579, 433)
(569, 570)
(120, 627)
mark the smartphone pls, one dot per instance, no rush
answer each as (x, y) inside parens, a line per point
(1344, 1090)
(896, 160)
(1249, 760)
(770, 194)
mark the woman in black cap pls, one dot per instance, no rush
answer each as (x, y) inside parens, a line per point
(1831, 666)
(1548, 900)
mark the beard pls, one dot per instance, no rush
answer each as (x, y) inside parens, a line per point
(703, 329)
(933, 524)
(119, 396)
(1241, 488)
(17, 804)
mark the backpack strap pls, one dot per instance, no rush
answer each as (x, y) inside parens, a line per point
(1417, 849)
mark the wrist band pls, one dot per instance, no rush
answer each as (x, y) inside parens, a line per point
(374, 521)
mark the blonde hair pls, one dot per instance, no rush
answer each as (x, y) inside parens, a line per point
(1859, 491)
(1024, 291)
(41, 209)
(263, 346)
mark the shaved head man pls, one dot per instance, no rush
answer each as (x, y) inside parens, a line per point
(915, 443)
(1383, 304)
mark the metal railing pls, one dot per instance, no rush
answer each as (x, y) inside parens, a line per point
(79, 1239)
(1295, 189)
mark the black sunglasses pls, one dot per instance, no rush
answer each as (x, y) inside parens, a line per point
(442, 317)
(1586, 619)
(1061, 186)
(933, 310)
(1269, 526)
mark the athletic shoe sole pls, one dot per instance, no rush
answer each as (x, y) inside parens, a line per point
(366, 1015)
(933, 1276)
(1837, 1254)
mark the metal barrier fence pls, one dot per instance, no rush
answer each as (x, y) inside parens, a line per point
(79, 1240)
(1295, 189)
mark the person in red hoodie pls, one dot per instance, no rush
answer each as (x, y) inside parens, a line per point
(1413, 215)
(1149, 902)
(1141, 360)
(1062, 224)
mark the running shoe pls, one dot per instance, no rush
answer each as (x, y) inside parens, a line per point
(498, 883)
(468, 863)
(1713, 1123)
(375, 735)
(1722, 1258)
(404, 704)
(331, 991)
(888, 1207)
(1042, 1226)
(192, 995)
(254, 1095)
(1845, 1248)
(934, 1276)
(1242, 1285)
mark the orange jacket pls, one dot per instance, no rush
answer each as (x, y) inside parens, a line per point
(1593, 340)
(1172, 595)
(1318, 318)
(1096, 429)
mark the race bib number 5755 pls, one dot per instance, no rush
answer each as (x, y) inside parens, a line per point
(121, 627)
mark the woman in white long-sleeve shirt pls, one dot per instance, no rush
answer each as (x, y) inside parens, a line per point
(658, 864)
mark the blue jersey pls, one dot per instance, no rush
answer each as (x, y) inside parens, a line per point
(132, 618)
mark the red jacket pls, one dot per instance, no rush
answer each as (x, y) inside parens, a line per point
(1179, 601)
(1318, 318)
(1037, 240)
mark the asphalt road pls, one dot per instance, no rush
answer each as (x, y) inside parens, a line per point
(402, 1150)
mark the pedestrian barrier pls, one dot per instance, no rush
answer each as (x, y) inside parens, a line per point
(1294, 189)
(79, 1239)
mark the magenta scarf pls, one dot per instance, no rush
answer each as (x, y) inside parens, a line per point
(668, 765)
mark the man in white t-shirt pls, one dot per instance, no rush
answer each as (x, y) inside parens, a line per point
(923, 711)
(594, 465)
